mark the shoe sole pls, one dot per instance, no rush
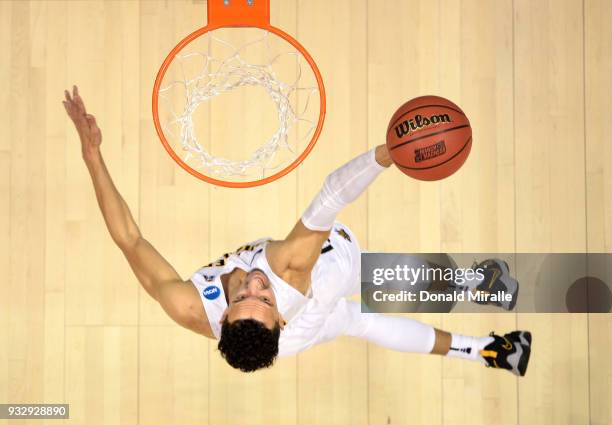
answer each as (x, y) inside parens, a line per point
(514, 297)
(524, 360)
(514, 292)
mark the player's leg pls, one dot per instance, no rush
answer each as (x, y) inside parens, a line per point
(510, 351)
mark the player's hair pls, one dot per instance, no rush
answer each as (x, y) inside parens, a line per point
(248, 345)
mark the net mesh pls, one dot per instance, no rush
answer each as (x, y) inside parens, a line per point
(225, 67)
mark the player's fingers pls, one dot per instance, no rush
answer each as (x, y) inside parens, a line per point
(67, 95)
(79, 100)
(80, 104)
(70, 110)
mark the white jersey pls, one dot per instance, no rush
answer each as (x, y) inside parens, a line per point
(310, 318)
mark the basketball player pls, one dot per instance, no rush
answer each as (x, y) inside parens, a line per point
(280, 297)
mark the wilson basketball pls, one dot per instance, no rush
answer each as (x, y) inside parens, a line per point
(429, 138)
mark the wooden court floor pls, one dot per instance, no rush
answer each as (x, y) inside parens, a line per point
(535, 78)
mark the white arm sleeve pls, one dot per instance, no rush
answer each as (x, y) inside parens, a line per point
(341, 188)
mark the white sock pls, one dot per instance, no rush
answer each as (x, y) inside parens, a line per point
(468, 347)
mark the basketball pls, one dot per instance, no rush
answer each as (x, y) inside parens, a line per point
(429, 138)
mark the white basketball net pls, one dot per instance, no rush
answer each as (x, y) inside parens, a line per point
(220, 75)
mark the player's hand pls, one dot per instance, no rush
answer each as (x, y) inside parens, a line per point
(383, 157)
(89, 132)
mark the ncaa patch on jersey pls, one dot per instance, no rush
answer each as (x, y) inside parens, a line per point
(211, 292)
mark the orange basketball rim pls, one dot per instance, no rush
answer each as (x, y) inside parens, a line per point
(238, 13)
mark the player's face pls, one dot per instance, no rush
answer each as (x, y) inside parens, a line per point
(253, 298)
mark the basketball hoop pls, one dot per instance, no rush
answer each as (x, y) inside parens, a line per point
(238, 30)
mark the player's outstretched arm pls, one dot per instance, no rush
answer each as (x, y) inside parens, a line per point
(117, 216)
(302, 246)
(344, 186)
(157, 276)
